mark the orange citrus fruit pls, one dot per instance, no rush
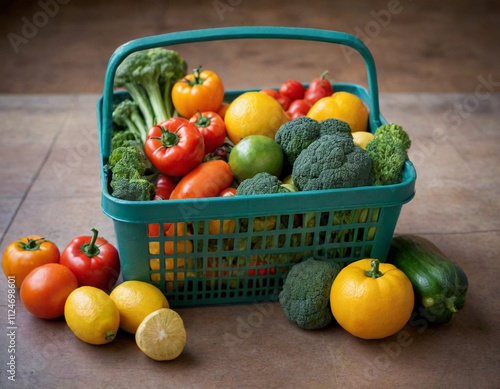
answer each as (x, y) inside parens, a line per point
(254, 113)
(344, 106)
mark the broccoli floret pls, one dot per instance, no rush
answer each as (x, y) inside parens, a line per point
(305, 297)
(148, 76)
(389, 150)
(134, 189)
(127, 114)
(123, 138)
(263, 183)
(131, 175)
(332, 161)
(129, 157)
(295, 135)
(333, 126)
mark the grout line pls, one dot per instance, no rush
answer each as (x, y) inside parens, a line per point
(35, 177)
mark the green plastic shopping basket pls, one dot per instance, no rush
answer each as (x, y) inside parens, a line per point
(172, 244)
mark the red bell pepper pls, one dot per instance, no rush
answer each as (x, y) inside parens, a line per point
(93, 260)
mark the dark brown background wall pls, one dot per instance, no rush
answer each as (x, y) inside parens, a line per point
(62, 46)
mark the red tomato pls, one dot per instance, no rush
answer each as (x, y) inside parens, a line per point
(271, 92)
(212, 128)
(46, 288)
(164, 187)
(228, 192)
(94, 261)
(24, 255)
(298, 108)
(283, 100)
(174, 146)
(318, 88)
(208, 179)
(292, 89)
(261, 271)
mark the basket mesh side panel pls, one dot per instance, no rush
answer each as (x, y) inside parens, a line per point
(246, 259)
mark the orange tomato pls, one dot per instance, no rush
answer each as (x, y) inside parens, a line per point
(228, 225)
(24, 255)
(208, 179)
(222, 110)
(199, 91)
(344, 106)
(46, 288)
(371, 300)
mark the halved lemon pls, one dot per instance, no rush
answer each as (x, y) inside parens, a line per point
(161, 335)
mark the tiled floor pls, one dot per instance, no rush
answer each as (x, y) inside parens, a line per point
(439, 78)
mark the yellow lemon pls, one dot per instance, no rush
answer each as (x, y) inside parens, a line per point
(135, 300)
(92, 315)
(361, 138)
(254, 113)
(344, 106)
(161, 335)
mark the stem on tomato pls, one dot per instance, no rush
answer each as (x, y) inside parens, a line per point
(374, 272)
(32, 244)
(91, 249)
(167, 138)
(197, 79)
(202, 121)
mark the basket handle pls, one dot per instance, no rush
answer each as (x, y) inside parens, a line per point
(226, 33)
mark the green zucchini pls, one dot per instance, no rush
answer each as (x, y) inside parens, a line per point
(440, 285)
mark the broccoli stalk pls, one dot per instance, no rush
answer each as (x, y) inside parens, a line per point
(124, 78)
(148, 75)
(172, 69)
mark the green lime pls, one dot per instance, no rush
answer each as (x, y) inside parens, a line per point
(255, 154)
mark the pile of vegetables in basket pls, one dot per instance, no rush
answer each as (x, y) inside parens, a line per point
(171, 123)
